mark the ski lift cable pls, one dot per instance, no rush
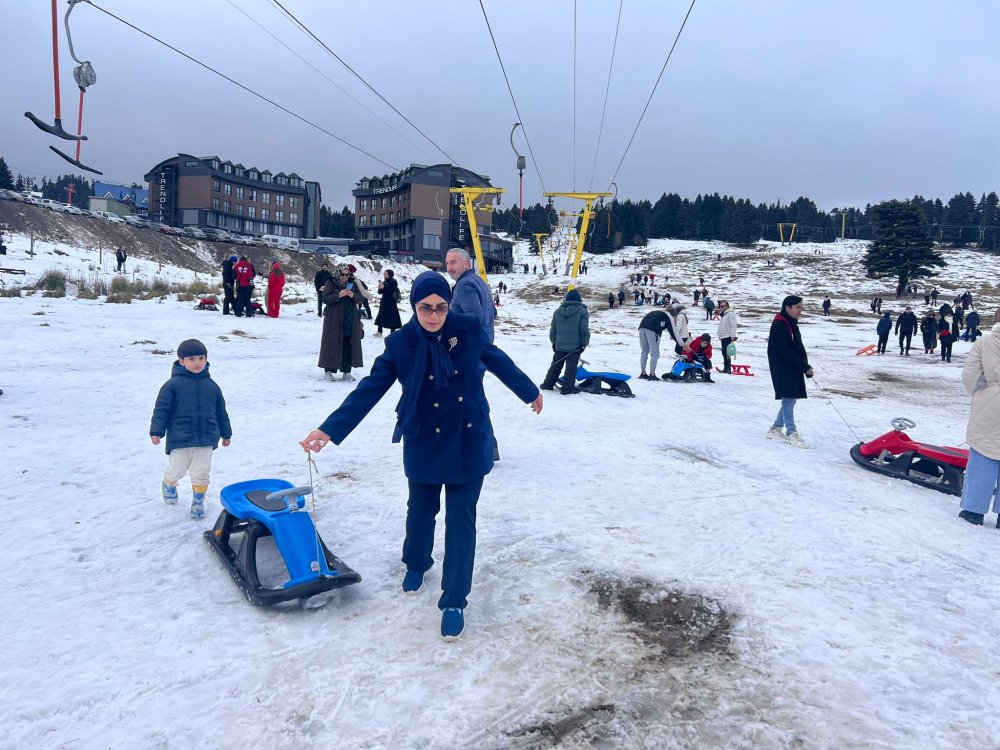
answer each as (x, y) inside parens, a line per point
(607, 90)
(512, 99)
(242, 86)
(324, 75)
(655, 85)
(357, 75)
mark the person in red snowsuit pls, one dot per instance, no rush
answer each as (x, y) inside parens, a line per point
(701, 352)
(243, 273)
(275, 285)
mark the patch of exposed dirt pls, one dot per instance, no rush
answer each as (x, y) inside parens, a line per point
(851, 394)
(886, 377)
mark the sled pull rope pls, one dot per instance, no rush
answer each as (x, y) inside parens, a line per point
(312, 500)
(830, 401)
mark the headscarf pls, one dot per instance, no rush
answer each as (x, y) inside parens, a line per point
(431, 358)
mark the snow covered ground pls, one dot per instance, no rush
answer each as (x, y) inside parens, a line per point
(651, 572)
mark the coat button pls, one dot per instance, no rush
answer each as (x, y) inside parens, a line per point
(456, 372)
(437, 429)
(430, 377)
(436, 405)
(468, 424)
(461, 398)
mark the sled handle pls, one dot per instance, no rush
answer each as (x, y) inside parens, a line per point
(902, 423)
(291, 492)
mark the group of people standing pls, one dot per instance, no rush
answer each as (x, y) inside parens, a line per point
(238, 276)
(945, 327)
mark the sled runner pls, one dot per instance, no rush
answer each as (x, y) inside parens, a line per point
(260, 508)
(865, 351)
(895, 454)
(738, 370)
(609, 383)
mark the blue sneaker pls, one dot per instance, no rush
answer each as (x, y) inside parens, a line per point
(169, 493)
(413, 582)
(452, 623)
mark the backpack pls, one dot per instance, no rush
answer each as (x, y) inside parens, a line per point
(396, 295)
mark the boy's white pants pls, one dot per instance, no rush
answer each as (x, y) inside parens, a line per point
(197, 461)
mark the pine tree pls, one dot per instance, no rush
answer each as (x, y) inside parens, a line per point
(6, 180)
(901, 248)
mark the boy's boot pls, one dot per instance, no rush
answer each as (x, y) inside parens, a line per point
(198, 500)
(169, 493)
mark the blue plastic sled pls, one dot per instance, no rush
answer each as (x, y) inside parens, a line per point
(609, 383)
(273, 507)
(687, 372)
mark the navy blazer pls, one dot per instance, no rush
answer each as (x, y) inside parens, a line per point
(454, 442)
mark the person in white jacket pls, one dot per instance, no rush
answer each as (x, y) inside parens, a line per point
(681, 331)
(981, 377)
(727, 333)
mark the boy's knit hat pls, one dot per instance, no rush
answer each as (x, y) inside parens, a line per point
(191, 348)
(573, 296)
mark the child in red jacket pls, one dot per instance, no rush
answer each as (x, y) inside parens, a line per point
(701, 352)
(275, 286)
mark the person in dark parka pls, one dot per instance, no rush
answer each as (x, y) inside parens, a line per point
(444, 423)
(228, 285)
(322, 276)
(569, 333)
(388, 313)
(340, 346)
(906, 326)
(947, 331)
(972, 326)
(928, 329)
(789, 364)
(883, 329)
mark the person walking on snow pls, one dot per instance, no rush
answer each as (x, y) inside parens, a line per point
(906, 326)
(947, 331)
(275, 286)
(243, 272)
(709, 307)
(443, 419)
(826, 307)
(322, 276)
(121, 256)
(883, 329)
(190, 413)
(340, 343)
(981, 378)
(929, 331)
(569, 333)
(789, 364)
(389, 296)
(972, 326)
(228, 286)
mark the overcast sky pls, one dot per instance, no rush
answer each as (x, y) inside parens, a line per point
(844, 101)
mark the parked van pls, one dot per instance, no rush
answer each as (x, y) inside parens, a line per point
(273, 240)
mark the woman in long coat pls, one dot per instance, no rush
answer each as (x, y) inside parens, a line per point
(789, 365)
(340, 347)
(443, 419)
(388, 313)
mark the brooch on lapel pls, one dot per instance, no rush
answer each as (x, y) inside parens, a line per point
(452, 343)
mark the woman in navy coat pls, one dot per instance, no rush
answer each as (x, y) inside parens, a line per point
(443, 420)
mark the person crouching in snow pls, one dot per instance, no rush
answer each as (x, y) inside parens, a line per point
(191, 413)
(443, 420)
(701, 352)
(275, 286)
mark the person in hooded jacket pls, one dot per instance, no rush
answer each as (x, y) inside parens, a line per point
(727, 333)
(388, 313)
(443, 419)
(883, 329)
(929, 331)
(322, 276)
(972, 326)
(340, 346)
(947, 331)
(789, 364)
(229, 285)
(243, 273)
(275, 286)
(569, 333)
(906, 326)
(981, 378)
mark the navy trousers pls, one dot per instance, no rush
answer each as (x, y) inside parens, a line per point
(459, 535)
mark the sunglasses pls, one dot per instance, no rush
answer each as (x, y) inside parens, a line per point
(441, 309)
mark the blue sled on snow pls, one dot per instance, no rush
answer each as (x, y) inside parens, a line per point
(609, 383)
(686, 372)
(260, 508)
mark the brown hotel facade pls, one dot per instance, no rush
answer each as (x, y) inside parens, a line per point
(192, 191)
(411, 216)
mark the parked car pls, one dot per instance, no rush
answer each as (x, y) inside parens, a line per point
(195, 233)
(69, 208)
(108, 216)
(137, 221)
(240, 239)
(28, 198)
(217, 235)
(51, 204)
(167, 229)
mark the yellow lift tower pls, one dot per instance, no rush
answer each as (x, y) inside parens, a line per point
(586, 215)
(469, 196)
(781, 232)
(541, 251)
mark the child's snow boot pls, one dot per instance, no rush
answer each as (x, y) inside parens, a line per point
(198, 500)
(169, 493)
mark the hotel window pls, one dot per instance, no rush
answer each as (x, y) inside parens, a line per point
(279, 215)
(239, 209)
(266, 178)
(215, 185)
(228, 169)
(362, 220)
(253, 195)
(279, 200)
(227, 207)
(239, 171)
(248, 225)
(392, 201)
(293, 201)
(265, 214)
(252, 212)
(293, 231)
(266, 198)
(228, 190)
(239, 193)
(364, 204)
(293, 217)
(215, 203)
(263, 228)
(254, 174)
(384, 202)
(382, 220)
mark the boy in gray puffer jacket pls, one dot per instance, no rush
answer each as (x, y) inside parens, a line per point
(570, 335)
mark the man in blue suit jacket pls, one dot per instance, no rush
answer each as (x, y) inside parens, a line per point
(443, 420)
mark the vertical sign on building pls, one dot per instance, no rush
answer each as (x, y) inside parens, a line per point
(458, 223)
